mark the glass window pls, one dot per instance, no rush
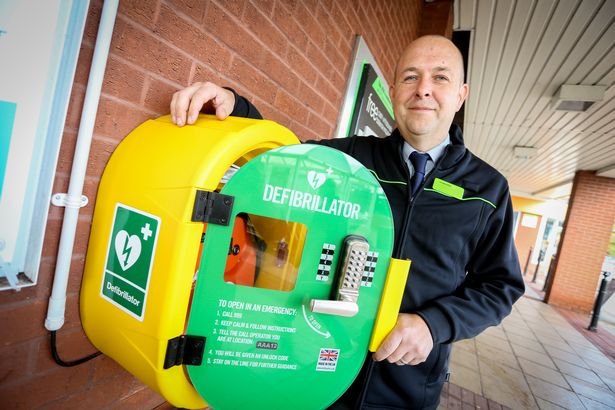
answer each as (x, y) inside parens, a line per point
(265, 252)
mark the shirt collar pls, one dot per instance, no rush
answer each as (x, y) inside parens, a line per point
(434, 154)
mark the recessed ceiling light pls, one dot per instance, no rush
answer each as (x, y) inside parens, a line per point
(577, 97)
(524, 152)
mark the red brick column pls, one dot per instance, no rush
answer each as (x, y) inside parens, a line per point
(584, 242)
(437, 18)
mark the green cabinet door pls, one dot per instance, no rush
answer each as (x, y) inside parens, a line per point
(268, 344)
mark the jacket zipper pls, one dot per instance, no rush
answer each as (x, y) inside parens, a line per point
(406, 221)
(397, 254)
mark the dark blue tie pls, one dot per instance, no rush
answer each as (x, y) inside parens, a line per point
(419, 161)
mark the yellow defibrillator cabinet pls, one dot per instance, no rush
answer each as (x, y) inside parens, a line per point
(229, 265)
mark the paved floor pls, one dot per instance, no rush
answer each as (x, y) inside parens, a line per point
(534, 360)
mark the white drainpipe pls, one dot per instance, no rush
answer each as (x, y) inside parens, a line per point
(74, 200)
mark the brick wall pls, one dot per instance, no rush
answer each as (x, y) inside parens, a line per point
(437, 18)
(584, 242)
(291, 58)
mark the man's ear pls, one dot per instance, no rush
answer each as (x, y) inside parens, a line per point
(392, 92)
(463, 94)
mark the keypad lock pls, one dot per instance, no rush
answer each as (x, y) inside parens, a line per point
(344, 302)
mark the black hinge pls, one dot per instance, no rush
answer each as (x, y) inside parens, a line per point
(185, 349)
(212, 207)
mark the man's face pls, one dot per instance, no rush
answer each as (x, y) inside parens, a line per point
(428, 91)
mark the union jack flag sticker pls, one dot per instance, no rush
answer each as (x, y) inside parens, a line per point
(327, 360)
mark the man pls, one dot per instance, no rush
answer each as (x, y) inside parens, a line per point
(453, 218)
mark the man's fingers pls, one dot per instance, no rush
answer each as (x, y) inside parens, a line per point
(409, 359)
(397, 355)
(388, 347)
(221, 113)
(200, 97)
(176, 116)
(180, 103)
(186, 104)
(409, 342)
(224, 102)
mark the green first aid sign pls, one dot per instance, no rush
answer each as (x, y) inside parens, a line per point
(130, 254)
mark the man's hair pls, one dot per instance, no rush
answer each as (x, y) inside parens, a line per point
(431, 36)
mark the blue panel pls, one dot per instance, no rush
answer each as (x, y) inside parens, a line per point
(7, 117)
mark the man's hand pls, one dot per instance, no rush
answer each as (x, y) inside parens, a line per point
(187, 103)
(409, 342)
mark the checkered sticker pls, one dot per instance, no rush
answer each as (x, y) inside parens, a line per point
(324, 265)
(370, 268)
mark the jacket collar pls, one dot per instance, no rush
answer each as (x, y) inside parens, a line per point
(455, 151)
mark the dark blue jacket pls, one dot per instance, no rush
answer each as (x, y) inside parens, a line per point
(465, 273)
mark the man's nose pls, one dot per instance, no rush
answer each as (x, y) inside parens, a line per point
(423, 88)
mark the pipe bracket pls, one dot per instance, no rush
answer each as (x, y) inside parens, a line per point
(69, 201)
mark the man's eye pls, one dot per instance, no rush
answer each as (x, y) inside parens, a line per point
(441, 78)
(410, 78)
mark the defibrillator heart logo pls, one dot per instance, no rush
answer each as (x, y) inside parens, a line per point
(316, 179)
(127, 249)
